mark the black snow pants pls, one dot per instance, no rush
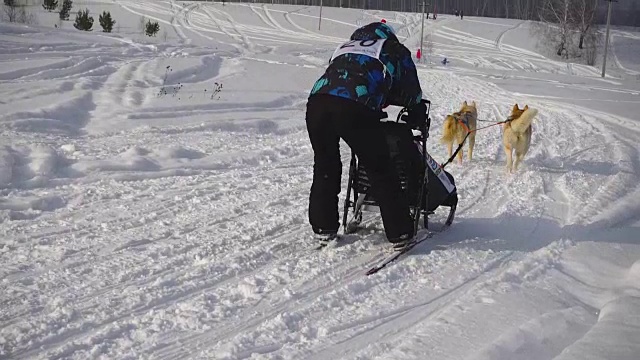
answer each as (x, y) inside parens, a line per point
(330, 118)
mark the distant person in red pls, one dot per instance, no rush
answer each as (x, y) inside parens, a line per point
(418, 54)
(383, 21)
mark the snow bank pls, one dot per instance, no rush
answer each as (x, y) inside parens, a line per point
(33, 164)
(68, 116)
(541, 338)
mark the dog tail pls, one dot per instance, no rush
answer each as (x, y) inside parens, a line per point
(448, 135)
(521, 124)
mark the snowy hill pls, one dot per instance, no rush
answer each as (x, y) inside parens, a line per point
(153, 195)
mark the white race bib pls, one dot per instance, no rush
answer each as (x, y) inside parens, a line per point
(370, 48)
(437, 170)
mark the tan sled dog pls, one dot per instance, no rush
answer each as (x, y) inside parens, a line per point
(517, 135)
(456, 127)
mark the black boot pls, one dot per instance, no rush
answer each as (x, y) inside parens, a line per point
(402, 242)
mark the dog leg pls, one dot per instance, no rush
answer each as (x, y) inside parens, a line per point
(472, 143)
(508, 151)
(519, 158)
(450, 147)
(460, 138)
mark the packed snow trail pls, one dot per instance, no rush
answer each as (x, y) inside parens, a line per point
(138, 223)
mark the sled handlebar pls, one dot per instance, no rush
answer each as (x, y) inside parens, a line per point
(403, 113)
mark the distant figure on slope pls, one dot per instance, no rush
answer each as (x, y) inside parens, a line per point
(364, 75)
(461, 15)
(445, 61)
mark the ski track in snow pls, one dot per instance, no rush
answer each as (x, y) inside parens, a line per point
(136, 225)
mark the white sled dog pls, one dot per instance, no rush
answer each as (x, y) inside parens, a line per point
(517, 135)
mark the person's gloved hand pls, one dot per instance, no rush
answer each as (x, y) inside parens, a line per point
(417, 115)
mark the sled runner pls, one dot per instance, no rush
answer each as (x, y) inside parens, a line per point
(427, 184)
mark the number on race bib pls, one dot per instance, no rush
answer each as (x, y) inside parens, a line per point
(371, 48)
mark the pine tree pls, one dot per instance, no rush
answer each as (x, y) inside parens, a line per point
(106, 21)
(152, 28)
(83, 20)
(50, 5)
(66, 9)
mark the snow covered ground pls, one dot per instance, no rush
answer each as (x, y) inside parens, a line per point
(143, 215)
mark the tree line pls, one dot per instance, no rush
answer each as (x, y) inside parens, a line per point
(625, 12)
(16, 11)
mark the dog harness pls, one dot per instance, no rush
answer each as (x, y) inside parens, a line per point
(463, 118)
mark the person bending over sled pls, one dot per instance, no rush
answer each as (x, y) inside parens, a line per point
(367, 73)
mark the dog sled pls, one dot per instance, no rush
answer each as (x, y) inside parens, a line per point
(427, 184)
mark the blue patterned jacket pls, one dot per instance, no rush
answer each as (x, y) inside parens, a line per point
(389, 79)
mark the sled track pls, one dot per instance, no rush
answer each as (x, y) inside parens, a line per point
(91, 301)
(269, 311)
(384, 331)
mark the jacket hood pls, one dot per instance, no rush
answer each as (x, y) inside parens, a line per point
(375, 30)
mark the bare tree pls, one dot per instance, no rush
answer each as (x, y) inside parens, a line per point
(555, 27)
(15, 12)
(11, 10)
(634, 12)
(141, 23)
(516, 6)
(523, 9)
(481, 9)
(583, 16)
(592, 41)
(25, 17)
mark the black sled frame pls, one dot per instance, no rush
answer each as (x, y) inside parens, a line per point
(358, 199)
